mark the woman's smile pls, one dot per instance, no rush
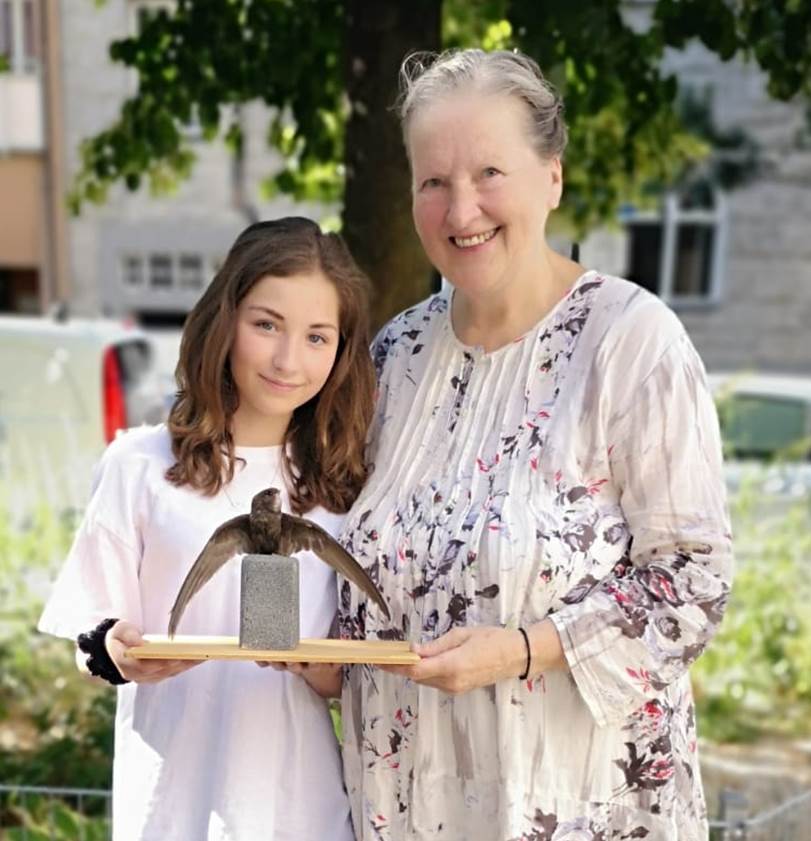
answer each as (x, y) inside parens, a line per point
(474, 241)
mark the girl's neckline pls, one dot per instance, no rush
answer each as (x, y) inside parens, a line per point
(478, 351)
(253, 453)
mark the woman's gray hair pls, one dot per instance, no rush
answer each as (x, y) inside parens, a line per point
(427, 77)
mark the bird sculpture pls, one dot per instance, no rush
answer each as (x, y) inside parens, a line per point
(266, 530)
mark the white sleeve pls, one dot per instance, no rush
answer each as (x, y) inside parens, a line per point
(640, 629)
(100, 576)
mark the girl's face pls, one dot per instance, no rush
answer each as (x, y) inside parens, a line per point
(285, 344)
(481, 193)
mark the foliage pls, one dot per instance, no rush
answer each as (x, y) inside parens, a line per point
(289, 55)
(37, 818)
(625, 131)
(55, 726)
(755, 677)
(28, 549)
(775, 33)
(282, 53)
(736, 157)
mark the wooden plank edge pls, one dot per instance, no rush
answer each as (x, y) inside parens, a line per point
(373, 652)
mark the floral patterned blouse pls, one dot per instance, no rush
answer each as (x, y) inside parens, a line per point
(576, 474)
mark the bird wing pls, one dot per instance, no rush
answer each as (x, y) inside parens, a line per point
(298, 533)
(231, 538)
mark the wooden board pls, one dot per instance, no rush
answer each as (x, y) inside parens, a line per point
(160, 647)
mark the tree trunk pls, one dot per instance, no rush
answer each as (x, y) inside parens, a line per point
(377, 221)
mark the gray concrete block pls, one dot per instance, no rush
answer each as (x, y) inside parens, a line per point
(269, 602)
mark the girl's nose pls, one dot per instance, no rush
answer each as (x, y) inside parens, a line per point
(284, 355)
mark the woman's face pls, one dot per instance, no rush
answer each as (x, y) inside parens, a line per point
(481, 193)
(286, 340)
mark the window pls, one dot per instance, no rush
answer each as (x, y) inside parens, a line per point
(191, 271)
(132, 271)
(164, 271)
(160, 271)
(6, 30)
(19, 35)
(678, 254)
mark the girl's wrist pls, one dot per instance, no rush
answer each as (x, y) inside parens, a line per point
(324, 679)
(99, 662)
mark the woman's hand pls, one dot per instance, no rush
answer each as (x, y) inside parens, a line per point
(468, 658)
(323, 678)
(124, 635)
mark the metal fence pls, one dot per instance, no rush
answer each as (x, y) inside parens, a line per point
(789, 820)
(41, 813)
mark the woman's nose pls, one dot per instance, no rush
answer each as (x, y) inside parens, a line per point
(463, 208)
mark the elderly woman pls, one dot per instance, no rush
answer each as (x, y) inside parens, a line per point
(546, 511)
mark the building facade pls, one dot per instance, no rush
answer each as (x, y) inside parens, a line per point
(32, 222)
(735, 265)
(137, 254)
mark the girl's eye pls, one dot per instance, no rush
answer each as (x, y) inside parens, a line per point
(265, 325)
(317, 339)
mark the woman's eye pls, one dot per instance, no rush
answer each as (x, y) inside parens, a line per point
(265, 325)
(317, 339)
(430, 183)
(491, 171)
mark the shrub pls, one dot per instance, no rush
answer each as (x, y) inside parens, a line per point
(55, 725)
(755, 677)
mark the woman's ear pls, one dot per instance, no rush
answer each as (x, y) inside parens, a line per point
(556, 183)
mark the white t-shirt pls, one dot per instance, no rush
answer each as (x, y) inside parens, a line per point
(225, 751)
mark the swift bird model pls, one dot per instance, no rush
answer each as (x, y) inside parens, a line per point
(267, 531)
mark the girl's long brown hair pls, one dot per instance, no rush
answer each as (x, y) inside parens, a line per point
(324, 443)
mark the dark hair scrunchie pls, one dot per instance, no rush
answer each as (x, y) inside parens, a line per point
(99, 662)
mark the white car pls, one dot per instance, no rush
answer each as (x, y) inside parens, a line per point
(66, 387)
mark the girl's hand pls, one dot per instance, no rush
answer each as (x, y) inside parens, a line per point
(323, 678)
(468, 658)
(124, 635)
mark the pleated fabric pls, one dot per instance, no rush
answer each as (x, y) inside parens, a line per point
(574, 474)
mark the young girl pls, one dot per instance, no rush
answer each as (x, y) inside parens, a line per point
(275, 389)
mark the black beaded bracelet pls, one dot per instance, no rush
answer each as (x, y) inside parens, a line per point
(99, 662)
(529, 655)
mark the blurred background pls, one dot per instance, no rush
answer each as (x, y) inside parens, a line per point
(138, 137)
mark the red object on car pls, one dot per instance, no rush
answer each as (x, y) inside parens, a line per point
(115, 405)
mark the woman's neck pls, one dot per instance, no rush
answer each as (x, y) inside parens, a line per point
(494, 320)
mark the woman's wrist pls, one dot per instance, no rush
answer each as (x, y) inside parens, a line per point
(536, 649)
(528, 651)
(546, 649)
